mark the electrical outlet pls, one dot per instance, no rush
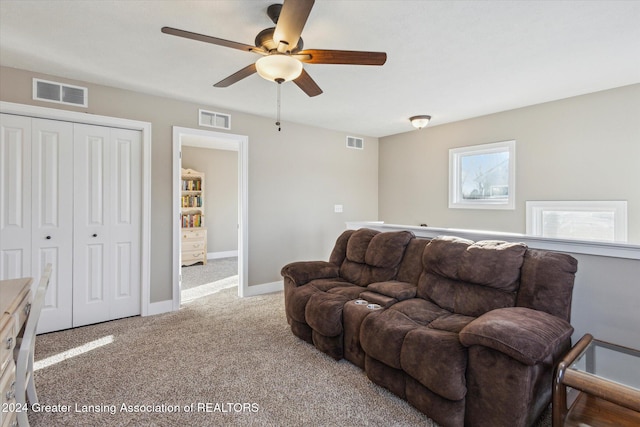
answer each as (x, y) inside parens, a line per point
(337, 208)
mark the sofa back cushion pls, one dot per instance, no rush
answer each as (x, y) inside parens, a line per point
(471, 278)
(411, 265)
(547, 282)
(372, 256)
(339, 252)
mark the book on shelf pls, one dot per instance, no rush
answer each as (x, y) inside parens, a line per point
(192, 201)
(191, 185)
(192, 220)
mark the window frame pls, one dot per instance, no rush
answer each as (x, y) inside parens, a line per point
(456, 199)
(536, 209)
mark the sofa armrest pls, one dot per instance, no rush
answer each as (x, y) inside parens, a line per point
(394, 289)
(302, 272)
(524, 334)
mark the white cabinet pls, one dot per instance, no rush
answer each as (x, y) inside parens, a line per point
(70, 195)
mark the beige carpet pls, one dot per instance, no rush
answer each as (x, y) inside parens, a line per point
(219, 361)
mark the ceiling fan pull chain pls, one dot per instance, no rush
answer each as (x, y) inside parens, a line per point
(279, 81)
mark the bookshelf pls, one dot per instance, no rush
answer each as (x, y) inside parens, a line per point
(193, 230)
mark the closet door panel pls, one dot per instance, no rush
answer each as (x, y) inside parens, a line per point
(15, 196)
(52, 218)
(91, 225)
(126, 184)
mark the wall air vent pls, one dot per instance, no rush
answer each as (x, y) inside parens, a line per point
(355, 142)
(60, 93)
(214, 120)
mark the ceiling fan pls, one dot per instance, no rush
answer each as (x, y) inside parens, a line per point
(282, 50)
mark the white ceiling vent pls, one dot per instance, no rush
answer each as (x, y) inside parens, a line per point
(214, 120)
(60, 93)
(355, 142)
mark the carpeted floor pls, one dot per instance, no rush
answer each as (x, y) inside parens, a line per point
(219, 361)
(214, 270)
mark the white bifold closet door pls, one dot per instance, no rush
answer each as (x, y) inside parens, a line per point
(70, 195)
(107, 210)
(52, 217)
(36, 195)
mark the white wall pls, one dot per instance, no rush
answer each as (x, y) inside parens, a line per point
(581, 148)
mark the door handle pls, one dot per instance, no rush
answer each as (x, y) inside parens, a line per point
(48, 237)
(94, 235)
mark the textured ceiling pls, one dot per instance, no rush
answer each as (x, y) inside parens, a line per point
(450, 59)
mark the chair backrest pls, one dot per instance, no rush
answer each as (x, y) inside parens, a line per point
(29, 335)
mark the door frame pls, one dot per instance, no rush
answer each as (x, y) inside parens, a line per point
(215, 140)
(145, 129)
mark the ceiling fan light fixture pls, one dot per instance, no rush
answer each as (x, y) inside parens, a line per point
(419, 122)
(277, 66)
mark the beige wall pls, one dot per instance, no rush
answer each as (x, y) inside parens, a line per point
(221, 194)
(295, 177)
(581, 148)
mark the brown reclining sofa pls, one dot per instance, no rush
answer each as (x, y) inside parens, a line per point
(468, 333)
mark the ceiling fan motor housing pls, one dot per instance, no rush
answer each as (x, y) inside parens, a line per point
(264, 39)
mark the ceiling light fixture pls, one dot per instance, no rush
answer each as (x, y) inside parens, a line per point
(278, 68)
(420, 121)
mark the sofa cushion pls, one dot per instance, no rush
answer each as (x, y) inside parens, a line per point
(373, 256)
(339, 252)
(297, 298)
(451, 322)
(324, 313)
(462, 297)
(437, 360)
(358, 244)
(382, 334)
(350, 292)
(493, 263)
(297, 302)
(470, 278)
(546, 282)
(443, 254)
(394, 289)
(410, 267)
(420, 311)
(386, 249)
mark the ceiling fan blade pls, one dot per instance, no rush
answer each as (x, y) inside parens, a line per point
(210, 39)
(348, 57)
(307, 84)
(292, 18)
(237, 76)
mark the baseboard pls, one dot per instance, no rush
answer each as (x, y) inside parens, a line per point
(264, 288)
(223, 254)
(159, 307)
(251, 291)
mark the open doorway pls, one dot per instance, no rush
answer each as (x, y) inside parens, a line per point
(211, 153)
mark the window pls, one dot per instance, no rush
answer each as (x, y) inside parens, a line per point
(483, 176)
(581, 220)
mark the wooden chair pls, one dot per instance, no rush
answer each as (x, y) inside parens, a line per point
(25, 386)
